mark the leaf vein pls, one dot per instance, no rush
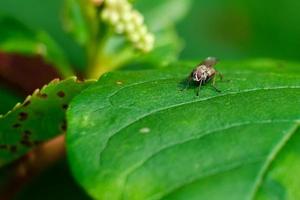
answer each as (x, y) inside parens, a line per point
(271, 157)
(215, 171)
(140, 164)
(187, 103)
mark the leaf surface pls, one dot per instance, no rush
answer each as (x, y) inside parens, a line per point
(138, 136)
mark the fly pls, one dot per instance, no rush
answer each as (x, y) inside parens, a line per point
(204, 73)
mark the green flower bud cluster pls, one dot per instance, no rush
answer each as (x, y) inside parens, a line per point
(127, 21)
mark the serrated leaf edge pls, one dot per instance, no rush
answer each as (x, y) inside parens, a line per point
(36, 91)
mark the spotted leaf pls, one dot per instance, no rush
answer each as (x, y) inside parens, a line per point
(40, 117)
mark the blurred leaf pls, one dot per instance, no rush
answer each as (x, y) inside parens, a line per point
(39, 118)
(162, 14)
(7, 99)
(140, 137)
(161, 18)
(80, 19)
(235, 29)
(17, 38)
(167, 48)
(48, 18)
(74, 21)
(24, 79)
(55, 183)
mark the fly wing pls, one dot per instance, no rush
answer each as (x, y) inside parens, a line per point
(209, 61)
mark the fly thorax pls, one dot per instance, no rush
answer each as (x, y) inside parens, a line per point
(211, 72)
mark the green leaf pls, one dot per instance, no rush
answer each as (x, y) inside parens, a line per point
(39, 118)
(239, 29)
(171, 10)
(17, 38)
(75, 22)
(7, 99)
(80, 20)
(277, 177)
(48, 17)
(167, 43)
(138, 136)
(167, 48)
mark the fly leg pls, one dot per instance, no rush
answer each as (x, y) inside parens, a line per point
(198, 88)
(214, 84)
(222, 77)
(187, 85)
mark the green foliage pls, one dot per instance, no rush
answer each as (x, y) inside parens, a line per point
(17, 38)
(239, 29)
(283, 172)
(45, 16)
(76, 22)
(40, 117)
(140, 137)
(7, 99)
(157, 15)
(168, 44)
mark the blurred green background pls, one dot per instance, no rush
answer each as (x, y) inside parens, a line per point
(229, 29)
(235, 29)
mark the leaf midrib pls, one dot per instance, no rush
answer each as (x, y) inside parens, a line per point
(213, 172)
(272, 156)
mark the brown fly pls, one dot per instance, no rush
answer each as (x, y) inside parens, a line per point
(204, 73)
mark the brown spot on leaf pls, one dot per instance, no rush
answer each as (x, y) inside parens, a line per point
(25, 137)
(3, 146)
(64, 126)
(65, 106)
(13, 148)
(37, 142)
(27, 132)
(42, 95)
(26, 103)
(26, 143)
(17, 125)
(61, 94)
(23, 116)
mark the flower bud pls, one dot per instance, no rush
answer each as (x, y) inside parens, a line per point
(125, 20)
